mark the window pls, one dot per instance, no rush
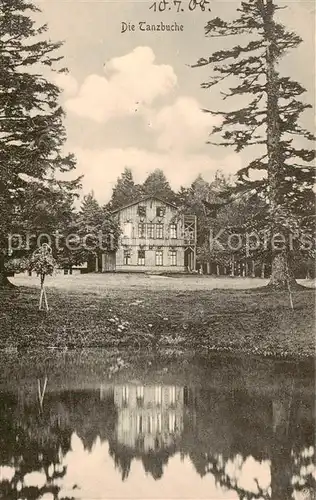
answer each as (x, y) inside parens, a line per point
(172, 395)
(150, 231)
(173, 230)
(159, 258)
(158, 422)
(141, 210)
(128, 229)
(173, 257)
(158, 393)
(149, 424)
(159, 231)
(160, 211)
(127, 257)
(141, 258)
(139, 423)
(141, 230)
(126, 422)
(140, 394)
(125, 394)
(172, 422)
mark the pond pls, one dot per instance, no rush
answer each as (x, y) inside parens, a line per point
(118, 425)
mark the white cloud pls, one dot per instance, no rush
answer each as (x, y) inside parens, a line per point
(6, 473)
(67, 83)
(131, 83)
(182, 125)
(101, 167)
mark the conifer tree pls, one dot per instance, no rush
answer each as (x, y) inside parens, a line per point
(32, 134)
(45, 214)
(125, 191)
(157, 184)
(98, 231)
(270, 119)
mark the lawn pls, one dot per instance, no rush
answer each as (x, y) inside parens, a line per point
(155, 313)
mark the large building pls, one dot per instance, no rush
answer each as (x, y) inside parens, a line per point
(155, 237)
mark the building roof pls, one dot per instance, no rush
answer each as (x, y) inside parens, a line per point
(140, 200)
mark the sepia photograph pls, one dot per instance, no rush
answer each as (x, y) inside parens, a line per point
(157, 250)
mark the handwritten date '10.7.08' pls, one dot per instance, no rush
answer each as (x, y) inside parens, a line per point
(180, 5)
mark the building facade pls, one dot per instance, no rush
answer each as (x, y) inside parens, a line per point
(154, 238)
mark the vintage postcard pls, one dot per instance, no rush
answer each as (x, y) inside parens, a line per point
(157, 250)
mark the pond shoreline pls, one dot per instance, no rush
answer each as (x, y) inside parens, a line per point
(249, 322)
(90, 368)
(204, 352)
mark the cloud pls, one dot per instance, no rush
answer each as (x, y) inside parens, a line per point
(182, 125)
(101, 167)
(67, 83)
(131, 82)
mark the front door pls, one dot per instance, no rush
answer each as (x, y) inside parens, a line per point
(109, 262)
(189, 259)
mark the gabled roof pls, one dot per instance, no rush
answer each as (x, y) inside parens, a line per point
(140, 200)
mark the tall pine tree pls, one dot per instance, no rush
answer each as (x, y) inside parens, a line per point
(98, 231)
(269, 119)
(157, 184)
(32, 134)
(125, 191)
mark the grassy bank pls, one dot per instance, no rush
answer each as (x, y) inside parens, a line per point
(254, 321)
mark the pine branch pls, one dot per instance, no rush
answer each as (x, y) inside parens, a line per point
(223, 55)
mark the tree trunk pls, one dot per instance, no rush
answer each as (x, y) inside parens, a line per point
(4, 282)
(98, 263)
(253, 272)
(42, 280)
(217, 270)
(238, 270)
(284, 417)
(280, 274)
(263, 266)
(232, 263)
(208, 267)
(281, 488)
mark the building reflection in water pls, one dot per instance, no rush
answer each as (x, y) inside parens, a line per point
(238, 438)
(149, 417)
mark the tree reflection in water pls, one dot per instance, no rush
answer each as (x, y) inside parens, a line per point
(256, 442)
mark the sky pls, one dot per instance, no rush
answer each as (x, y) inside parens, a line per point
(133, 100)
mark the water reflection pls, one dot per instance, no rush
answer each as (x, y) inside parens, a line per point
(149, 418)
(217, 436)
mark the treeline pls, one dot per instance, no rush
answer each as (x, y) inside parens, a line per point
(77, 420)
(230, 239)
(35, 200)
(230, 228)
